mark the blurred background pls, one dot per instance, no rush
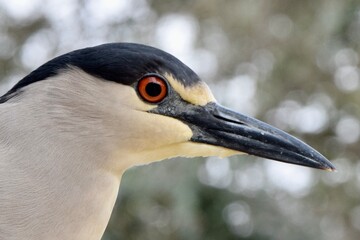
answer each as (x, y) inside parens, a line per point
(293, 64)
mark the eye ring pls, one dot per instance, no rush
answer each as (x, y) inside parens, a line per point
(152, 89)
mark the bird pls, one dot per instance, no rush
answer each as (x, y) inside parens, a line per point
(70, 128)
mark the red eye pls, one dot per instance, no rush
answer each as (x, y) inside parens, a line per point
(152, 89)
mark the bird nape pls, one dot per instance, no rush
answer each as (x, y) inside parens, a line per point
(70, 129)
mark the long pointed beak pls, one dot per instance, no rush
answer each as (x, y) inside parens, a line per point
(219, 126)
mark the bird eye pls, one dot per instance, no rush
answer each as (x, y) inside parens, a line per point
(152, 89)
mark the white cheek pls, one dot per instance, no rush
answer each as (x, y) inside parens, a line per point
(140, 133)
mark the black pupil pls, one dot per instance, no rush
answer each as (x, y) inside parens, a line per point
(153, 89)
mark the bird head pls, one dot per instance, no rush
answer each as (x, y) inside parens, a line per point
(155, 107)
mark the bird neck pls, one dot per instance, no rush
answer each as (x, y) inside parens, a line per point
(59, 183)
(47, 197)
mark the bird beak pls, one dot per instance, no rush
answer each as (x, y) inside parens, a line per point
(216, 125)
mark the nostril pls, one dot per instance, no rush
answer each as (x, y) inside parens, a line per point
(228, 119)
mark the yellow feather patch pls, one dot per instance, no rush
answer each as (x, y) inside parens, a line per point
(198, 94)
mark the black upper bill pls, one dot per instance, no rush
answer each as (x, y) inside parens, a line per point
(216, 125)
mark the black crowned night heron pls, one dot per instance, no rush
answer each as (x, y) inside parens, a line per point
(71, 128)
